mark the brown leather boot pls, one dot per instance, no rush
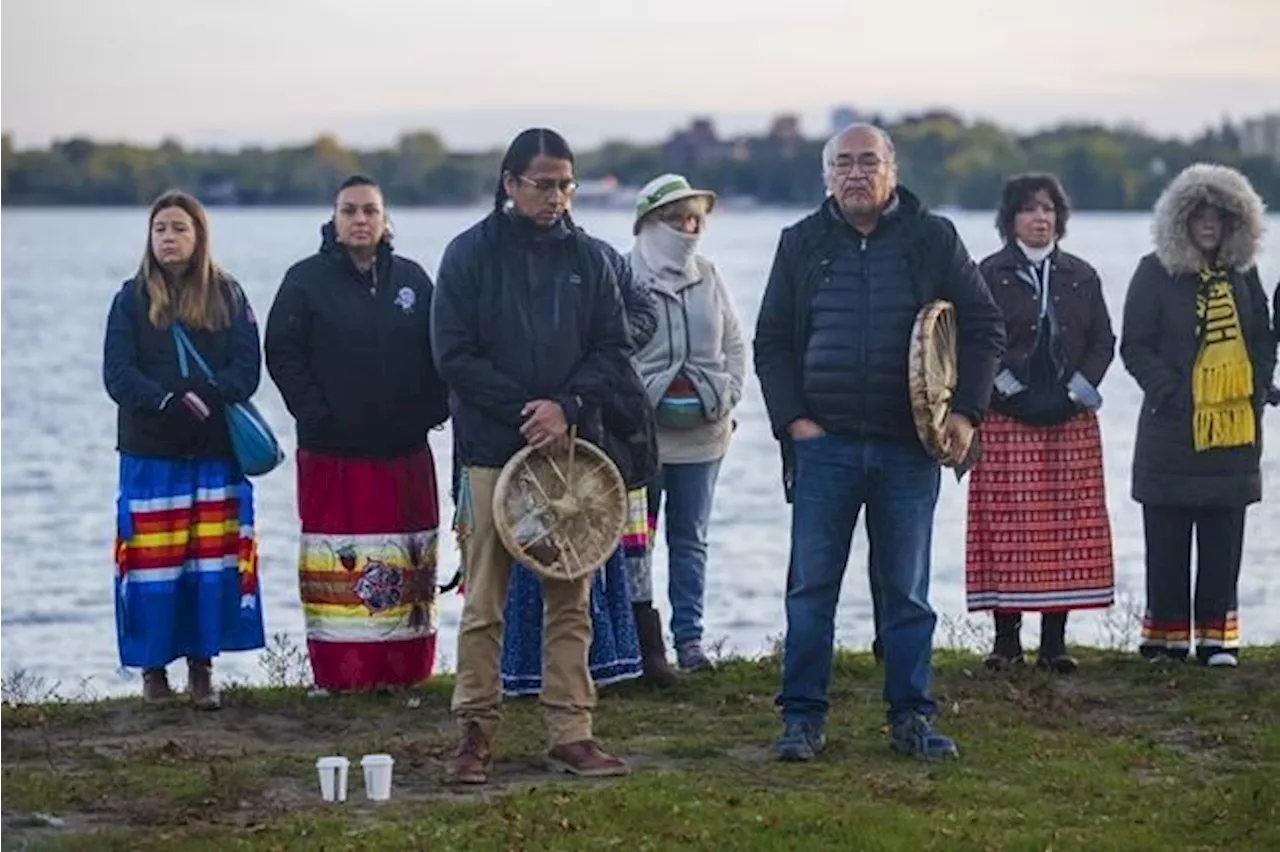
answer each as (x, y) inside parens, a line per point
(155, 686)
(472, 761)
(653, 653)
(200, 685)
(586, 759)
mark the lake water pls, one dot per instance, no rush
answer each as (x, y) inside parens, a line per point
(60, 269)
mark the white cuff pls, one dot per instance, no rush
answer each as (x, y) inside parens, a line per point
(1007, 383)
(1084, 393)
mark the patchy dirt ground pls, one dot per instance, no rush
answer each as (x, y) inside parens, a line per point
(76, 773)
(121, 764)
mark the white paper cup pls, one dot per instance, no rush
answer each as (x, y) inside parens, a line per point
(377, 776)
(333, 778)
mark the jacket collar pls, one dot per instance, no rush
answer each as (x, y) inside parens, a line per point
(1011, 258)
(337, 253)
(524, 230)
(904, 207)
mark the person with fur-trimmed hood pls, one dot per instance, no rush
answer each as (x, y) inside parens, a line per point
(1198, 339)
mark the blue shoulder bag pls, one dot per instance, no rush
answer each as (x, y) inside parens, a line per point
(256, 449)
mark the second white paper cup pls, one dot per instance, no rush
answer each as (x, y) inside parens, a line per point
(377, 776)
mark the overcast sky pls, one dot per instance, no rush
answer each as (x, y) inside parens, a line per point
(235, 71)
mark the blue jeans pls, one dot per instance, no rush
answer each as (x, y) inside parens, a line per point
(689, 489)
(899, 484)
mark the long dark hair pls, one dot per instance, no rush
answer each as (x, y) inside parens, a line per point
(1019, 190)
(534, 142)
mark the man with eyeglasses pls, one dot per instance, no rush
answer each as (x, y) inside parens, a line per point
(529, 332)
(831, 350)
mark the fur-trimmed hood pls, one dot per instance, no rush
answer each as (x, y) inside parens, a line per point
(1224, 188)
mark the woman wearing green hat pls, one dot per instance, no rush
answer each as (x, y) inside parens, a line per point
(693, 370)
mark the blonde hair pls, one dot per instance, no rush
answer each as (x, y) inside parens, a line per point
(697, 205)
(202, 297)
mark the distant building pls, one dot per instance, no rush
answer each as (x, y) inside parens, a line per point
(697, 145)
(784, 136)
(785, 128)
(1260, 137)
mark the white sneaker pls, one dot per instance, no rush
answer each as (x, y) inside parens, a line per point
(1222, 660)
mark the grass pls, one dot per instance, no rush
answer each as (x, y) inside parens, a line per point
(1125, 756)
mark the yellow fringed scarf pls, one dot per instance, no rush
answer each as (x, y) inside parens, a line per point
(1222, 379)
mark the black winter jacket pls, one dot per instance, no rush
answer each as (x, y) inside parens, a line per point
(1159, 348)
(860, 319)
(524, 313)
(937, 266)
(140, 371)
(351, 353)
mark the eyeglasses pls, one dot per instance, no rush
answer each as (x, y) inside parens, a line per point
(868, 164)
(549, 185)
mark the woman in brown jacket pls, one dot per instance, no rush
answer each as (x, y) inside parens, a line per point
(1039, 538)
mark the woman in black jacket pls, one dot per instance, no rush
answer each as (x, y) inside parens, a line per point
(1198, 340)
(186, 583)
(348, 343)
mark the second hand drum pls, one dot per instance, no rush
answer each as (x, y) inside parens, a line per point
(932, 375)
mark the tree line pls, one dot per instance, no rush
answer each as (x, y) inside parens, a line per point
(943, 158)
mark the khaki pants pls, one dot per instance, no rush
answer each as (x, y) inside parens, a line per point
(568, 693)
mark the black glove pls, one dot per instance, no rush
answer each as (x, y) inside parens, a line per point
(202, 399)
(178, 420)
(188, 410)
(1048, 409)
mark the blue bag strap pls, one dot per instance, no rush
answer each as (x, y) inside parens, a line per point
(184, 345)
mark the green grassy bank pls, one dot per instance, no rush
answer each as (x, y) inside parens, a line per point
(1124, 756)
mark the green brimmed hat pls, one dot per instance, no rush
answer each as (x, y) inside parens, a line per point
(667, 189)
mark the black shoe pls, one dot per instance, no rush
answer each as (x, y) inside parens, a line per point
(1063, 664)
(1053, 656)
(1007, 653)
(997, 662)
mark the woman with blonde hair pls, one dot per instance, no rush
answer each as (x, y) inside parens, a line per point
(693, 369)
(1198, 340)
(186, 558)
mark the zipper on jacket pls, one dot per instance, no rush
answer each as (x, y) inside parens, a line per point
(383, 343)
(671, 335)
(530, 292)
(864, 330)
(684, 318)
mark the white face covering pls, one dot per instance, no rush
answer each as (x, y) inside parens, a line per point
(666, 250)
